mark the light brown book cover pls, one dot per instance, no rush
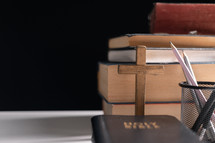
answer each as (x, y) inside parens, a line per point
(162, 108)
(162, 40)
(117, 87)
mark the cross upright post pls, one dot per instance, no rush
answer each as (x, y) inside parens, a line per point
(140, 70)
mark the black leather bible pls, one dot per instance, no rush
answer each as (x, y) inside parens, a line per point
(140, 129)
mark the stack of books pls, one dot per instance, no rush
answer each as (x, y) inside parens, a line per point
(162, 92)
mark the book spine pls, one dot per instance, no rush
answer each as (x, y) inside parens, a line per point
(100, 132)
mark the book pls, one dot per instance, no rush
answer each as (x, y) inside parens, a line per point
(162, 55)
(139, 129)
(120, 88)
(162, 40)
(182, 18)
(153, 108)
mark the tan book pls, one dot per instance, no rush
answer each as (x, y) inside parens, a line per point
(173, 109)
(164, 87)
(162, 40)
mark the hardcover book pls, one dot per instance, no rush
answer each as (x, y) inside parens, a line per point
(141, 129)
(162, 40)
(115, 87)
(183, 18)
(151, 108)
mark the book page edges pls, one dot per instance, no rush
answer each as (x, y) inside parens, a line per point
(103, 79)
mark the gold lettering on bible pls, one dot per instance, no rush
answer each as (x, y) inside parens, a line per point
(141, 125)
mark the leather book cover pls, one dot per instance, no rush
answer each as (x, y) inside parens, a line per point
(183, 18)
(141, 129)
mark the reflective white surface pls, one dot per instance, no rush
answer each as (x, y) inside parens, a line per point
(46, 126)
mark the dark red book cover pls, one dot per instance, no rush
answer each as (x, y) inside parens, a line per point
(181, 18)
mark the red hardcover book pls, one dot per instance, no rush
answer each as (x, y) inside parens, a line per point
(182, 18)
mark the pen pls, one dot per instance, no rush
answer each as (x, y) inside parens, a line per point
(203, 114)
(193, 82)
(188, 75)
(193, 93)
(210, 133)
(206, 121)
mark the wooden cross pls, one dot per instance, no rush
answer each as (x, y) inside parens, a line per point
(140, 70)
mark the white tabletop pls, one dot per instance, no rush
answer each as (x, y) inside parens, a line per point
(46, 126)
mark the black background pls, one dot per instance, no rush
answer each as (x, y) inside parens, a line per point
(49, 51)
